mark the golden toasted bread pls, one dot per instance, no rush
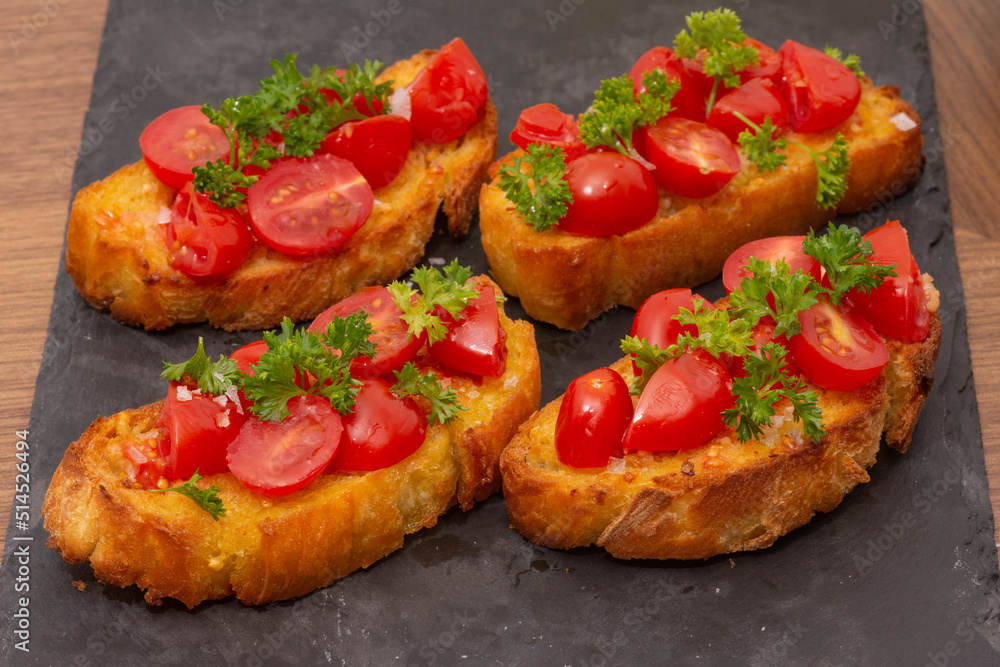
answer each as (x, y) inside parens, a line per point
(117, 255)
(567, 280)
(722, 497)
(273, 548)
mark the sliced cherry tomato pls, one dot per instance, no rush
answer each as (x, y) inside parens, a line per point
(248, 355)
(448, 96)
(180, 140)
(394, 346)
(822, 91)
(476, 344)
(198, 430)
(144, 464)
(382, 431)
(309, 206)
(897, 307)
(546, 124)
(763, 334)
(377, 146)
(689, 102)
(655, 321)
(681, 406)
(770, 250)
(595, 412)
(756, 99)
(612, 194)
(204, 239)
(278, 458)
(837, 349)
(691, 158)
(768, 65)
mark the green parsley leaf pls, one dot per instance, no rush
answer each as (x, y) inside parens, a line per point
(213, 377)
(718, 36)
(831, 172)
(852, 62)
(648, 358)
(655, 102)
(761, 146)
(437, 289)
(207, 499)
(612, 117)
(757, 393)
(792, 292)
(444, 402)
(327, 357)
(845, 254)
(536, 184)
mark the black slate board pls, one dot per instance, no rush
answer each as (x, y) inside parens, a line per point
(903, 572)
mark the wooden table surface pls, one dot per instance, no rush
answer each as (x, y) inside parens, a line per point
(48, 56)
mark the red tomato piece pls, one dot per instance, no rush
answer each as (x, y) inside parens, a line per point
(476, 344)
(612, 194)
(788, 248)
(248, 355)
(278, 458)
(383, 430)
(897, 307)
(595, 412)
(394, 346)
(822, 92)
(689, 102)
(377, 146)
(546, 124)
(691, 158)
(360, 103)
(768, 65)
(837, 349)
(655, 321)
(309, 206)
(756, 99)
(198, 431)
(204, 239)
(144, 464)
(180, 140)
(448, 96)
(681, 406)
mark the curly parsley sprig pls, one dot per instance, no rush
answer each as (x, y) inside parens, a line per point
(846, 255)
(536, 184)
(444, 402)
(207, 499)
(852, 62)
(617, 111)
(717, 35)
(446, 289)
(774, 291)
(766, 150)
(213, 377)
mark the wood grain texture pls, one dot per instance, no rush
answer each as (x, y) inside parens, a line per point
(45, 82)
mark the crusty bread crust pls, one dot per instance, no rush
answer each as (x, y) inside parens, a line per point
(722, 497)
(267, 549)
(116, 250)
(567, 280)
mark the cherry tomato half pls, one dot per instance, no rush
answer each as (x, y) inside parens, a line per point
(837, 349)
(788, 248)
(394, 346)
(612, 194)
(204, 239)
(198, 432)
(180, 140)
(756, 99)
(691, 158)
(448, 96)
(278, 458)
(689, 102)
(681, 406)
(476, 344)
(655, 321)
(546, 124)
(595, 412)
(897, 307)
(377, 146)
(309, 206)
(822, 91)
(768, 64)
(248, 356)
(383, 429)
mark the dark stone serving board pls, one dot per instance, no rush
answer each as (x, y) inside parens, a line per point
(903, 572)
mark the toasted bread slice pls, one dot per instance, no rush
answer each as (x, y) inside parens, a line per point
(116, 250)
(567, 280)
(722, 497)
(273, 548)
